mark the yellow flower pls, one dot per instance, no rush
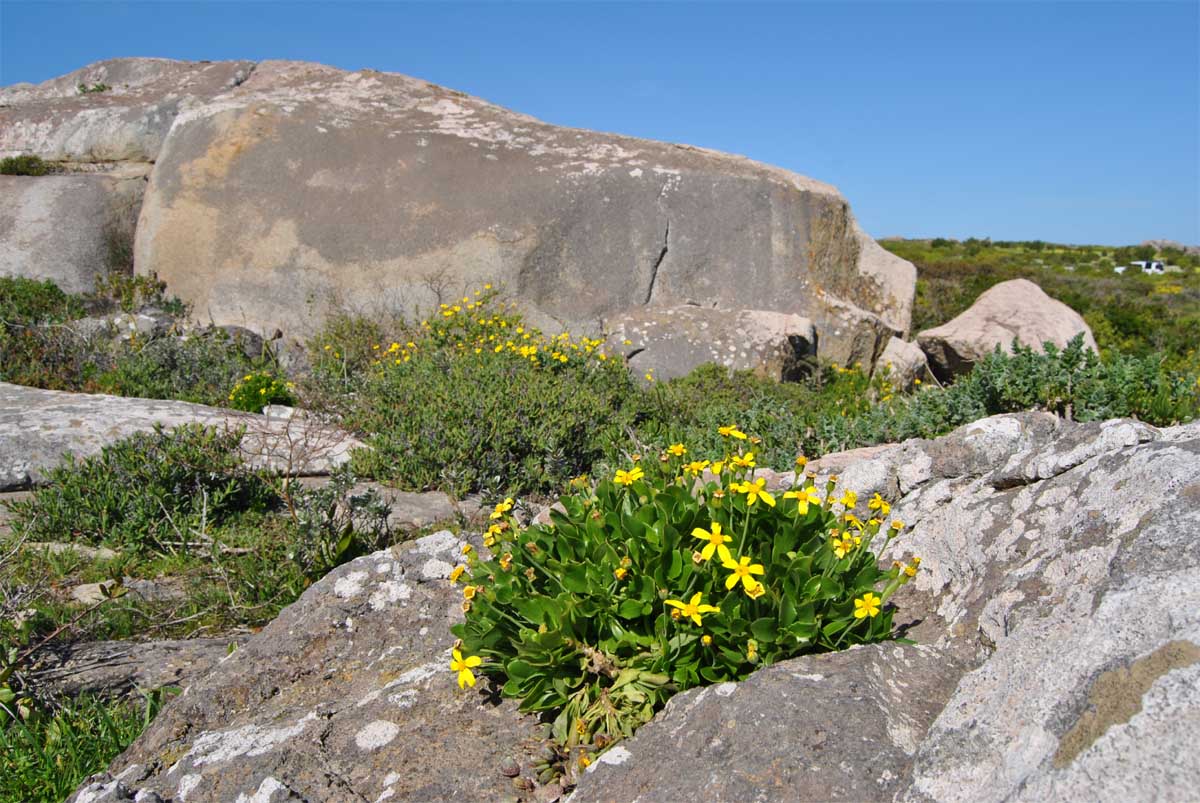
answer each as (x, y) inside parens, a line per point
(743, 460)
(706, 640)
(677, 449)
(731, 431)
(854, 521)
(506, 561)
(741, 570)
(456, 573)
(804, 497)
(868, 605)
(751, 650)
(718, 466)
(755, 591)
(469, 592)
(502, 508)
(463, 667)
(801, 462)
(877, 503)
(842, 546)
(627, 478)
(755, 491)
(467, 549)
(693, 609)
(897, 526)
(621, 573)
(849, 499)
(716, 542)
(696, 467)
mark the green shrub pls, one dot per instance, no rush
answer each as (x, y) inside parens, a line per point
(198, 368)
(256, 390)
(92, 89)
(657, 582)
(130, 292)
(26, 302)
(24, 166)
(148, 492)
(473, 399)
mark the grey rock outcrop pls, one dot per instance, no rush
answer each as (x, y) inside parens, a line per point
(1058, 651)
(425, 192)
(669, 343)
(336, 700)
(125, 123)
(1057, 628)
(1016, 309)
(66, 228)
(38, 428)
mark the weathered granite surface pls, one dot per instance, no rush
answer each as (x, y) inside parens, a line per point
(39, 427)
(1058, 646)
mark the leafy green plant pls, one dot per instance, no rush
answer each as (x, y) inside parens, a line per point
(660, 580)
(257, 389)
(147, 492)
(26, 165)
(26, 302)
(92, 89)
(335, 522)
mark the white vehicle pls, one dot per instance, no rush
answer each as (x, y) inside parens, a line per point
(1150, 267)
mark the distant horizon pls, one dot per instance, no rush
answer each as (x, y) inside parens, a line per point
(971, 119)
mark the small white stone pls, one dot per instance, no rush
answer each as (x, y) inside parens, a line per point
(376, 734)
(726, 689)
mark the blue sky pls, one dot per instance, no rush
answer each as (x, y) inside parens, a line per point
(1072, 122)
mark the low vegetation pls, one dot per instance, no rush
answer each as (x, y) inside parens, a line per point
(24, 166)
(656, 578)
(1129, 313)
(656, 581)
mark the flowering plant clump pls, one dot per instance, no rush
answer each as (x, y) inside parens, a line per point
(254, 391)
(490, 402)
(670, 574)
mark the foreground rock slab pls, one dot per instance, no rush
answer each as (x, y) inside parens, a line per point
(38, 428)
(1056, 620)
(347, 696)
(1016, 309)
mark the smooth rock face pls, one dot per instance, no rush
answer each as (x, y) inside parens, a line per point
(127, 122)
(1058, 652)
(60, 227)
(347, 696)
(905, 362)
(669, 343)
(38, 428)
(424, 191)
(1014, 309)
(1059, 639)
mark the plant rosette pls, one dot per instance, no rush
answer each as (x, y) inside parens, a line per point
(657, 581)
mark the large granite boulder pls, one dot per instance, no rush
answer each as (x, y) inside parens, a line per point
(66, 228)
(669, 342)
(283, 191)
(38, 428)
(1056, 621)
(128, 121)
(1016, 309)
